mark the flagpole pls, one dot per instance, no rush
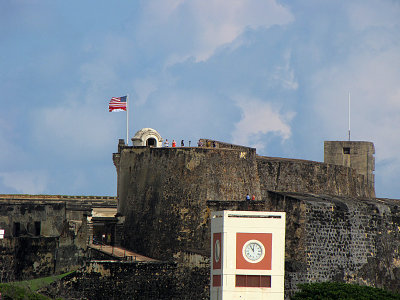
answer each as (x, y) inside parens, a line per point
(127, 120)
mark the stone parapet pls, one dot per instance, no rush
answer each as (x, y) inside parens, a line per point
(304, 176)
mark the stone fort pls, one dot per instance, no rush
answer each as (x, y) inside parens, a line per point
(337, 230)
(336, 227)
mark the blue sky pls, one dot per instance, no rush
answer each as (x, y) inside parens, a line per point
(274, 75)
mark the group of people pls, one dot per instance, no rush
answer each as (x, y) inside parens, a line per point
(199, 143)
(166, 143)
(252, 197)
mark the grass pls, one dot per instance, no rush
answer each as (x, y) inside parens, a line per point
(15, 292)
(38, 283)
(27, 289)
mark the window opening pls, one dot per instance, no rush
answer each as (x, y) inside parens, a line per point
(151, 142)
(37, 228)
(17, 229)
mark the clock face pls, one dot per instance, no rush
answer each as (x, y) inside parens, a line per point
(217, 251)
(253, 251)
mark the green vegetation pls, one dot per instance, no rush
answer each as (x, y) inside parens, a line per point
(11, 291)
(339, 291)
(38, 283)
(26, 290)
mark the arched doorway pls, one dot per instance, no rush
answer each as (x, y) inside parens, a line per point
(151, 142)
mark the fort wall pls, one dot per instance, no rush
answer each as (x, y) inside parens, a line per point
(44, 234)
(119, 280)
(163, 193)
(357, 155)
(304, 176)
(334, 227)
(34, 219)
(335, 238)
(32, 257)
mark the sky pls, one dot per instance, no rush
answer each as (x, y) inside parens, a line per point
(269, 74)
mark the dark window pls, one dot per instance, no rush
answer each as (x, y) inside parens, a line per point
(253, 281)
(151, 142)
(346, 150)
(17, 229)
(37, 228)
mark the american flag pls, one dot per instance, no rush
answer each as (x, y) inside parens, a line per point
(117, 104)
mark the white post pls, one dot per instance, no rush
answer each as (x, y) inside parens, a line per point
(127, 120)
(349, 116)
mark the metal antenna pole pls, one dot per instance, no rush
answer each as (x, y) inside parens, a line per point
(349, 116)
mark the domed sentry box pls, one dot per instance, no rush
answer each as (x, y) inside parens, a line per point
(147, 137)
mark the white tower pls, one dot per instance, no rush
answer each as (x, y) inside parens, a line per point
(248, 255)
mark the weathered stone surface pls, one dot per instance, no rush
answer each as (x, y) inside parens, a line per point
(357, 155)
(119, 280)
(40, 240)
(166, 196)
(303, 176)
(163, 193)
(27, 213)
(26, 257)
(335, 238)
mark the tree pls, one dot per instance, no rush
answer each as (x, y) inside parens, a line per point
(335, 291)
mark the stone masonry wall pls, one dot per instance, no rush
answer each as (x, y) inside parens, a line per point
(303, 176)
(335, 238)
(355, 154)
(166, 196)
(50, 216)
(122, 280)
(25, 257)
(353, 241)
(163, 193)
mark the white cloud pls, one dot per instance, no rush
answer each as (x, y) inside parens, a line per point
(284, 75)
(374, 13)
(144, 88)
(78, 129)
(258, 119)
(108, 55)
(374, 82)
(369, 68)
(221, 22)
(206, 25)
(26, 182)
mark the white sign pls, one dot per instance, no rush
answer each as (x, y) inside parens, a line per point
(247, 255)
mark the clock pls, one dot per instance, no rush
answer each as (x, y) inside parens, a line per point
(253, 251)
(217, 250)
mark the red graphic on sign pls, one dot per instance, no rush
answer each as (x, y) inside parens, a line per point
(216, 280)
(253, 251)
(217, 250)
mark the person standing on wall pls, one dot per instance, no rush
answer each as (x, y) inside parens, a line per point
(166, 143)
(182, 143)
(247, 197)
(173, 144)
(253, 198)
